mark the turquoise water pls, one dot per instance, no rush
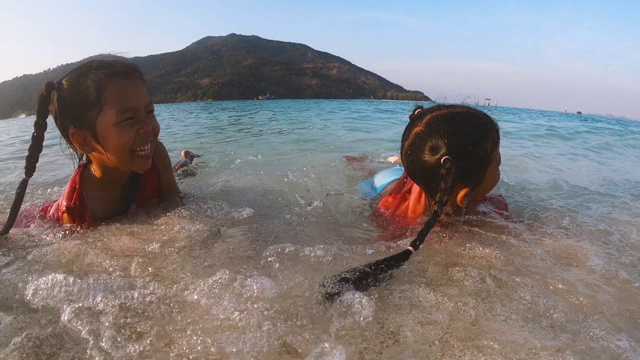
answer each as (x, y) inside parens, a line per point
(273, 209)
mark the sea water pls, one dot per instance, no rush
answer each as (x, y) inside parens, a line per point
(273, 209)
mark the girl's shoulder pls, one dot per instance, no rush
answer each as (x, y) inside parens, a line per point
(71, 207)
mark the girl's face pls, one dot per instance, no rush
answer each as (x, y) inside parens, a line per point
(127, 128)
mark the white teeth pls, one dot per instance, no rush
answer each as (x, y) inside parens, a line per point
(143, 150)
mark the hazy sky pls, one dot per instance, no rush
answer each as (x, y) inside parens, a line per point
(582, 55)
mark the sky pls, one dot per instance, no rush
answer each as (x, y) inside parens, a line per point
(550, 55)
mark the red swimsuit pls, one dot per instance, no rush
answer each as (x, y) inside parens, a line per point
(406, 204)
(72, 207)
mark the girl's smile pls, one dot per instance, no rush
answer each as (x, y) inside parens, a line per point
(144, 151)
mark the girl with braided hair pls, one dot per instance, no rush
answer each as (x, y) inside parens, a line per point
(451, 160)
(103, 111)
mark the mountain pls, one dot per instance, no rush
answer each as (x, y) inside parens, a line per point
(232, 67)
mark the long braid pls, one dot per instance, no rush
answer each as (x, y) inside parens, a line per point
(33, 154)
(446, 187)
(374, 273)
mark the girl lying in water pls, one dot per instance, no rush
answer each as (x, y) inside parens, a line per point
(451, 158)
(103, 111)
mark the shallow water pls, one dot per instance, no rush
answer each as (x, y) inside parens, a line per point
(234, 273)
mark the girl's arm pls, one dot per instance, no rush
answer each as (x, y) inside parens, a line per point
(169, 190)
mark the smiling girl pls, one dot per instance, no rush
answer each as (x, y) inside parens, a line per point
(103, 111)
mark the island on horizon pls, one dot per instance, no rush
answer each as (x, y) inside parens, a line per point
(231, 67)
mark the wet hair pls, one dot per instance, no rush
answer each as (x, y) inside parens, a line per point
(75, 101)
(445, 146)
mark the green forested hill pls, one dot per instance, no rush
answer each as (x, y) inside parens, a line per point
(231, 67)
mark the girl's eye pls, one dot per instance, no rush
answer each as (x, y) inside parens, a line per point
(151, 112)
(127, 121)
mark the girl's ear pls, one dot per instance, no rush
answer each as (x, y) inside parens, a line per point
(81, 140)
(463, 197)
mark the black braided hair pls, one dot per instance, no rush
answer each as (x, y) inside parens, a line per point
(447, 186)
(33, 154)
